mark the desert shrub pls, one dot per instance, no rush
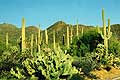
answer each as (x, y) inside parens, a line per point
(85, 44)
(48, 64)
(114, 46)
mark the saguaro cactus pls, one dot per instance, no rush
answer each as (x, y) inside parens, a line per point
(63, 39)
(6, 40)
(82, 31)
(77, 29)
(36, 40)
(54, 45)
(107, 34)
(39, 41)
(68, 36)
(71, 34)
(23, 34)
(32, 37)
(46, 37)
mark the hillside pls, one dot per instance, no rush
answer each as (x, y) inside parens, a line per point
(59, 27)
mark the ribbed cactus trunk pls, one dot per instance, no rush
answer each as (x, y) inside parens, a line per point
(39, 41)
(71, 34)
(46, 37)
(107, 34)
(36, 40)
(23, 34)
(104, 28)
(82, 31)
(32, 37)
(63, 39)
(6, 40)
(54, 45)
(68, 37)
(77, 29)
(41, 37)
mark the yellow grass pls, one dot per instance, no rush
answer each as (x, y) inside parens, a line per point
(107, 75)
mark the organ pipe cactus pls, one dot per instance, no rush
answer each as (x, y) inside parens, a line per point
(107, 34)
(68, 36)
(6, 40)
(23, 34)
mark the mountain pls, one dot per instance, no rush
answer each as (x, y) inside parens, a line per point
(115, 28)
(59, 27)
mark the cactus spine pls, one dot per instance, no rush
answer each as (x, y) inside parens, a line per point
(54, 40)
(39, 42)
(32, 36)
(6, 40)
(77, 29)
(23, 34)
(107, 34)
(68, 36)
(71, 34)
(46, 37)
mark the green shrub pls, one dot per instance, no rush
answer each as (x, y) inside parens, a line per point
(49, 64)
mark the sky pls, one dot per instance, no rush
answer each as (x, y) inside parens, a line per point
(47, 12)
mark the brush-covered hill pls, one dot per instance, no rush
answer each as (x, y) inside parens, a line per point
(59, 27)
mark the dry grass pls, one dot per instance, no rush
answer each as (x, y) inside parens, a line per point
(107, 75)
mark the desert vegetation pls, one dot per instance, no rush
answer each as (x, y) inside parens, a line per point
(61, 52)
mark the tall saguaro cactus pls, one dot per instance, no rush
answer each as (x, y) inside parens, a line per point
(82, 31)
(39, 41)
(54, 45)
(6, 40)
(23, 34)
(46, 37)
(63, 39)
(71, 34)
(32, 37)
(68, 36)
(107, 33)
(77, 29)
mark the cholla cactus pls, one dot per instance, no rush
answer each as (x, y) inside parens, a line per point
(39, 41)
(68, 36)
(46, 37)
(32, 36)
(6, 40)
(54, 40)
(107, 34)
(23, 34)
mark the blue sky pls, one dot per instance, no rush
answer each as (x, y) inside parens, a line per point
(47, 12)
